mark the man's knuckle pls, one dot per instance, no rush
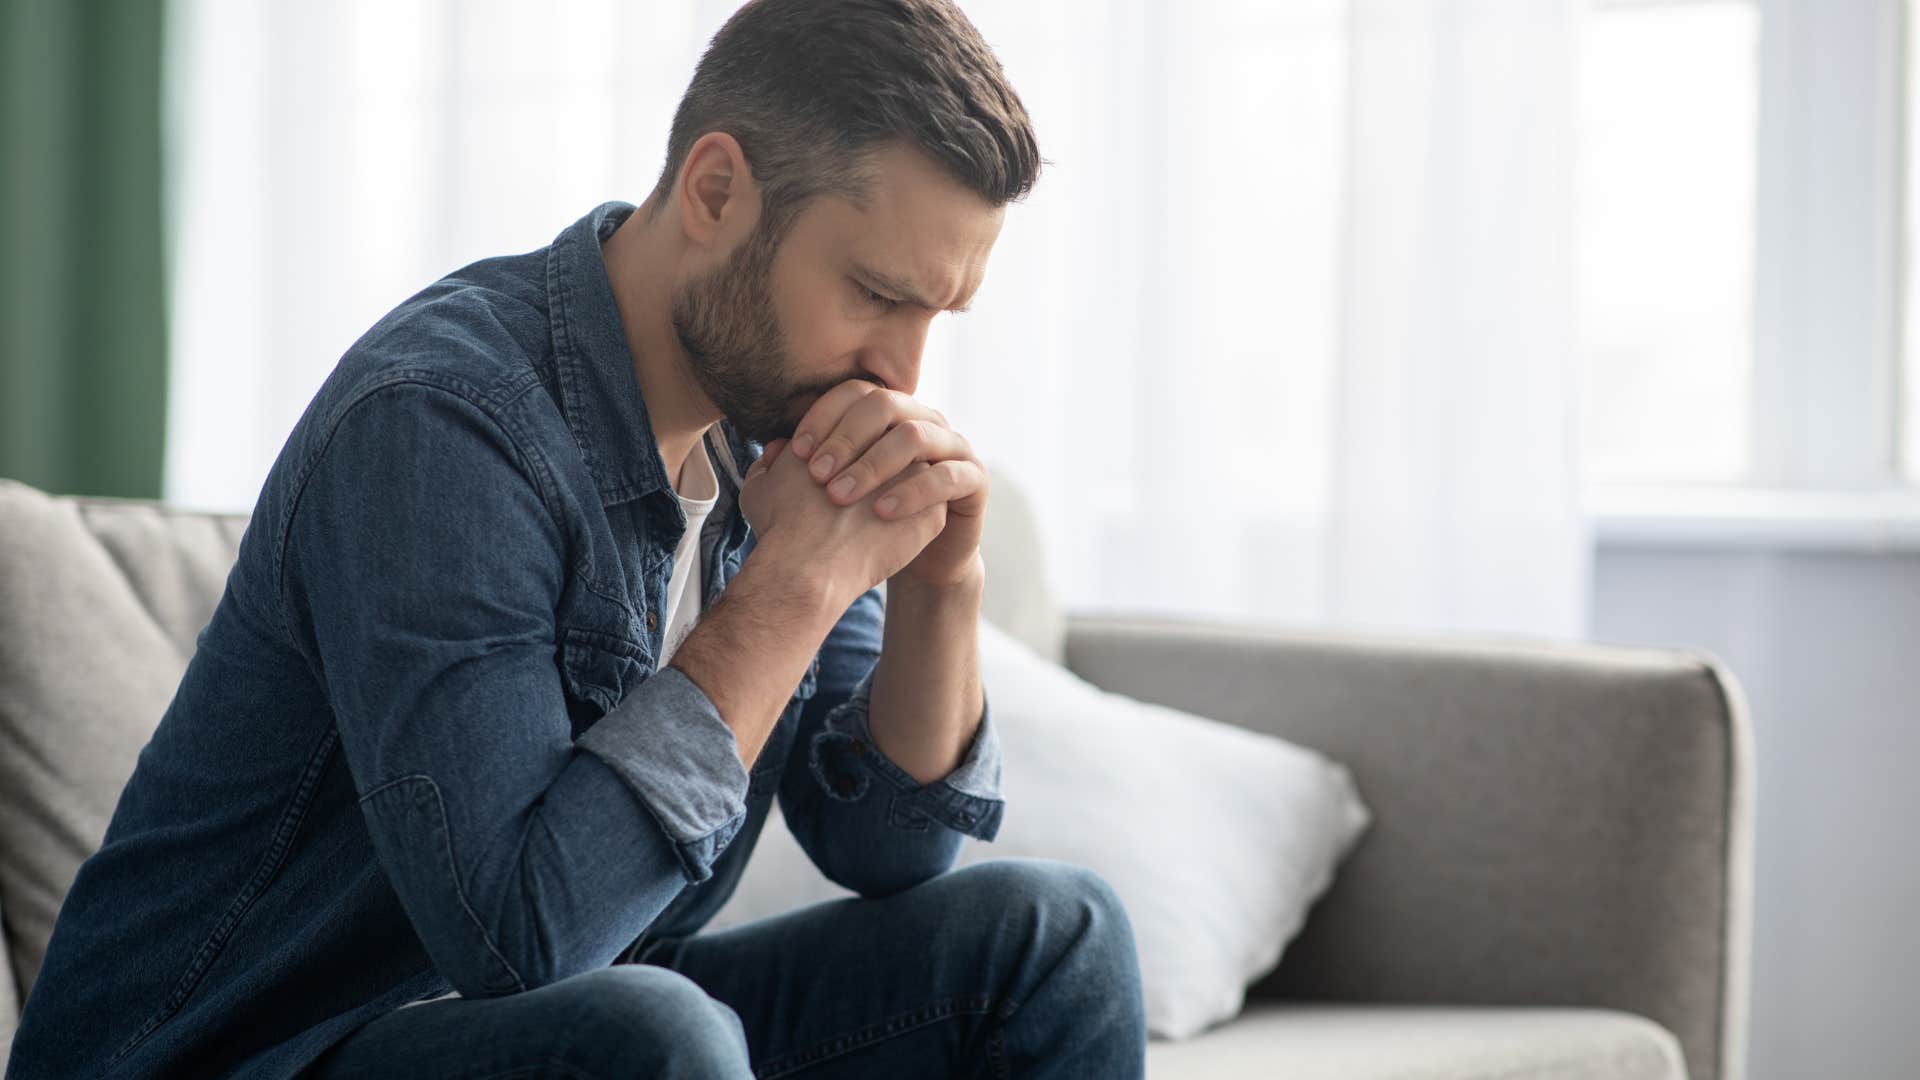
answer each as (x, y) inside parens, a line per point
(874, 406)
(923, 433)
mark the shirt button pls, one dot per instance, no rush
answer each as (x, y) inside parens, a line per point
(859, 746)
(650, 622)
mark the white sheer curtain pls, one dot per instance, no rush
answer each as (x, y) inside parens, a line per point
(1284, 334)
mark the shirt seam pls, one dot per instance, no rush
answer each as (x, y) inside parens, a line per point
(279, 846)
(535, 475)
(459, 887)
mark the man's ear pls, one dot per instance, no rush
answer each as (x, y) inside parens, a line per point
(717, 196)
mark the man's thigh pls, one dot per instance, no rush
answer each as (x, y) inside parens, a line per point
(919, 983)
(622, 1021)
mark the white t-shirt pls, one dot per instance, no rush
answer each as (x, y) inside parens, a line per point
(697, 489)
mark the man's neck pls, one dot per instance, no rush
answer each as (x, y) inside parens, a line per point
(640, 258)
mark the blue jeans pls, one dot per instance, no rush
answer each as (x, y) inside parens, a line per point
(1013, 967)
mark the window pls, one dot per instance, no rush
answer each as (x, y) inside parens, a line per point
(1909, 277)
(1744, 254)
(1665, 175)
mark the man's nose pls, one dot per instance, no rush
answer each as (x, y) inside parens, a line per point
(895, 360)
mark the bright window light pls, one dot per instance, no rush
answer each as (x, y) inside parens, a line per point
(1668, 99)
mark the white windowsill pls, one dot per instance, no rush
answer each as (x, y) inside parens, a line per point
(1882, 521)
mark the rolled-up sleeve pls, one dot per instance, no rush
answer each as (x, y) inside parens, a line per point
(682, 761)
(863, 820)
(422, 570)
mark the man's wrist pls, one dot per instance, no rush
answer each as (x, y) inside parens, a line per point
(926, 695)
(778, 613)
(968, 587)
(796, 578)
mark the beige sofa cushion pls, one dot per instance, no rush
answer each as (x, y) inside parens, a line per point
(100, 602)
(9, 997)
(1304, 1041)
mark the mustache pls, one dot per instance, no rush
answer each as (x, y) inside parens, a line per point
(824, 385)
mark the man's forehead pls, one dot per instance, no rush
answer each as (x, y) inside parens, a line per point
(923, 245)
(918, 260)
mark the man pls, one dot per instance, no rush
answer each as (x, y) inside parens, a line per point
(515, 658)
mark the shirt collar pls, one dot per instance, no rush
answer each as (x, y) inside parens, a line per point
(599, 391)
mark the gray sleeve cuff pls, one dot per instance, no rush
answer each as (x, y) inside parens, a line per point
(667, 742)
(967, 799)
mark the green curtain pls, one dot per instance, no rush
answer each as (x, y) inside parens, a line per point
(83, 343)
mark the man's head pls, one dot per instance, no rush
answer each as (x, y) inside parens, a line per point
(839, 170)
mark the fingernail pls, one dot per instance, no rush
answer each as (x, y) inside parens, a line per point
(823, 466)
(887, 504)
(842, 485)
(802, 444)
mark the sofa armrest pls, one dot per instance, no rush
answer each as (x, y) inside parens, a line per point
(1554, 823)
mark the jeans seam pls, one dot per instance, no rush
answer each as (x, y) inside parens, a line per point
(891, 1027)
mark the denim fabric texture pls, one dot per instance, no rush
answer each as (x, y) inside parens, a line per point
(422, 744)
(1014, 967)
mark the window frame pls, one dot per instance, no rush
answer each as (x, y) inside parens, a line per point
(1826, 464)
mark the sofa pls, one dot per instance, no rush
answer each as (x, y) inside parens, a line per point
(1557, 880)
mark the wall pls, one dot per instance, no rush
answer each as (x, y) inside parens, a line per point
(1827, 645)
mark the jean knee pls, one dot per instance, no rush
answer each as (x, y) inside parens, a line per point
(655, 1014)
(1047, 883)
(1066, 897)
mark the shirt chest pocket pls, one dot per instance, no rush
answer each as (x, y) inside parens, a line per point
(603, 654)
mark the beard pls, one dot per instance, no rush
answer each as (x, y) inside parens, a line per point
(735, 349)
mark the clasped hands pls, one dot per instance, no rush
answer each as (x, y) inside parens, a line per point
(863, 449)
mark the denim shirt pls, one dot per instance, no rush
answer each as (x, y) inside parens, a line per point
(422, 744)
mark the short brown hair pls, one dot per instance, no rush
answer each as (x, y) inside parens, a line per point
(807, 87)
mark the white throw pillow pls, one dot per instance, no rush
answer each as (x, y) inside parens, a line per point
(1216, 838)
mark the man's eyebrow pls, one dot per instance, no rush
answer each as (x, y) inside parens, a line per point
(903, 290)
